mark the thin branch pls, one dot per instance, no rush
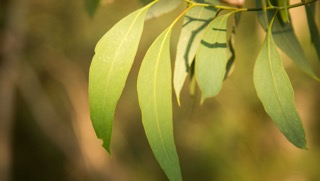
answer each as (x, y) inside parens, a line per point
(268, 8)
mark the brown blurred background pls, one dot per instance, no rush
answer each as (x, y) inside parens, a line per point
(46, 133)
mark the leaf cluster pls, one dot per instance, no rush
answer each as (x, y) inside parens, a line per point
(205, 52)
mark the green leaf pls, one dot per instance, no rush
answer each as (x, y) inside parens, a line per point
(114, 55)
(91, 6)
(285, 38)
(211, 58)
(276, 94)
(287, 41)
(314, 31)
(163, 7)
(155, 99)
(284, 14)
(193, 27)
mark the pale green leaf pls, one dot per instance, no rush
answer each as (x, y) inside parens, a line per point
(114, 55)
(212, 57)
(314, 31)
(155, 99)
(287, 41)
(195, 22)
(276, 94)
(163, 7)
(285, 38)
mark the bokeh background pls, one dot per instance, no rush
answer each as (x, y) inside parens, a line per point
(45, 130)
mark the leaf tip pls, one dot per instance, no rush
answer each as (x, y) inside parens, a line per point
(106, 146)
(202, 100)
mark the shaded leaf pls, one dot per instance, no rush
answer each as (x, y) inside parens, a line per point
(195, 22)
(285, 38)
(211, 58)
(276, 94)
(163, 7)
(284, 14)
(91, 6)
(155, 99)
(314, 31)
(114, 55)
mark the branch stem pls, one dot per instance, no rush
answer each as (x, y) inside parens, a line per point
(302, 3)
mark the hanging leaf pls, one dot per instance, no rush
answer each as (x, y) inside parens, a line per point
(155, 99)
(285, 38)
(163, 7)
(276, 94)
(284, 14)
(91, 6)
(211, 58)
(314, 31)
(195, 21)
(114, 55)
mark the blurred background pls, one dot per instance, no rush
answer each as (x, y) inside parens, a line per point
(45, 130)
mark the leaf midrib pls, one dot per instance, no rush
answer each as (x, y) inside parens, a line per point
(269, 39)
(155, 93)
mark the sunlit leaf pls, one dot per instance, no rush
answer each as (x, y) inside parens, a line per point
(285, 38)
(211, 58)
(276, 94)
(163, 7)
(91, 6)
(193, 27)
(155, 99)
(114, 55)
(314, 31)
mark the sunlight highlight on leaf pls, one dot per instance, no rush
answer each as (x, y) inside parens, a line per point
(276, 94)
(212, 57)
(114, 55)
(155, 99)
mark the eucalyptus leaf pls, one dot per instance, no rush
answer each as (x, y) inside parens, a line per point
(195, 22)
(211, 57)
(91, 6)
(155, 99)
(163, 7)
(276, 94)
(314, 31)
(284, 14)
(285, 38)
(114, 55)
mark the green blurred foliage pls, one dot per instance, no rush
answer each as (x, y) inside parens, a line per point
(230, 137)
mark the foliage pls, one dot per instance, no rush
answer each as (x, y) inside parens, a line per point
(204, 50)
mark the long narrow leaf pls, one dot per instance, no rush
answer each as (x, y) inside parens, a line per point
(114, 55)
(276, 94)
(195, 22)
(285, 38)
(91, 6)
(212, 57)
(155, 99)
(314, 30)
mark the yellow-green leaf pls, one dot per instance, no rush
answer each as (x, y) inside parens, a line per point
(212, 57)
(276, 94)
(155, 99)
(195, 22)
(114, 55)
